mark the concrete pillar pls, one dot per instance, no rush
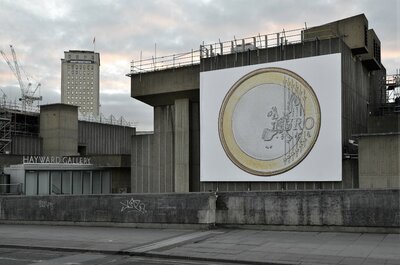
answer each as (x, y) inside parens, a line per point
(181, 163)
(59, 129)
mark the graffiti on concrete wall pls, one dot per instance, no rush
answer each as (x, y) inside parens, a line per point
(46, 204)
(133, 205)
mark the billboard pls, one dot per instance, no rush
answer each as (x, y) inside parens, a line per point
(277, 121)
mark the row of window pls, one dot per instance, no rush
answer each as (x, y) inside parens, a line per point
(79, 91)
(67, 182)
(79, 102)
(80, 83)
(72, 77)
(86, 108)
(79, 95)
(80, 57)
(76, 90)
(80, 73)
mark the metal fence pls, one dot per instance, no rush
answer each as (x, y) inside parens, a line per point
(214, 49)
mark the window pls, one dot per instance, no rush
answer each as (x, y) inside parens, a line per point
(96, 180)
(43, 183)
(55, 182)
(31, 183)
(86, 182)
(66, 182)
(106, 182)
(47, 182)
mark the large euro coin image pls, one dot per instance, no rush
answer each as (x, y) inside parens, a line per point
(269, 121)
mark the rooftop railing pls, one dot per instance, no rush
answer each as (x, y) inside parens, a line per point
(219, 48)
(106, 120)
(17, 107)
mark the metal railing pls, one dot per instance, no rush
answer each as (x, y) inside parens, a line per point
(165, 62)
(220, 48)
(17, 107)
(106, 120)
(252, 43)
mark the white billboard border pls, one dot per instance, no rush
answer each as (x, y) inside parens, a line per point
(297, 66)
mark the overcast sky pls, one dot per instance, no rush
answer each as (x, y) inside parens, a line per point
(41, 31)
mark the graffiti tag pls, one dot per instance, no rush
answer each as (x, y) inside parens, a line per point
(46, 205)
(133, 205)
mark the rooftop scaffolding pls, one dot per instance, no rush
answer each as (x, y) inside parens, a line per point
(393, 87)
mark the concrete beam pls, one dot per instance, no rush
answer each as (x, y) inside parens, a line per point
(163, 87)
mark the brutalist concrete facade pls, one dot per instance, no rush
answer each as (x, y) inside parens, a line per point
(61, 134)
(160, 162)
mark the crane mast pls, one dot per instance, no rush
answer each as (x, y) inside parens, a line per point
(27, 96)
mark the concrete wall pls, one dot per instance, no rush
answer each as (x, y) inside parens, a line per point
(335, 210)
(59, 129)
(384, 124)
(153, 155)
(7, 160)
(346, 208)
(353, 29)
(379, 160)
(104, 139)
(155, 163)
(196, 208)
(26, 145)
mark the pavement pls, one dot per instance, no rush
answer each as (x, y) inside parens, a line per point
(218, 245)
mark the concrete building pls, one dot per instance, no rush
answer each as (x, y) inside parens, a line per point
(52, 152)
(80, 84)
(169, 159)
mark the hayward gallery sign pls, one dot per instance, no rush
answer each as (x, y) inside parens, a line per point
(75, 160)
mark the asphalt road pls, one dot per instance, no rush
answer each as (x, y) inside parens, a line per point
(17, 256)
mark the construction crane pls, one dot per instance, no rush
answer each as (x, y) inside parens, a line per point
(27, 95)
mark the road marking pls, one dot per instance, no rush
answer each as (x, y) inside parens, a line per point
(173, 241)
